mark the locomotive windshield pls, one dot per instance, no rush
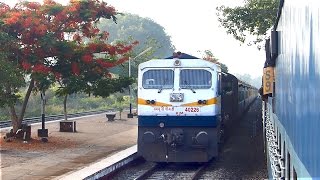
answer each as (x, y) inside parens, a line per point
(195, 79)
(158, 79)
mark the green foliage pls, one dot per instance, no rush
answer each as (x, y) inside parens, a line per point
(10, 76)
(224, 68)
(76, 103)
(120, 102)
(71, 85)
(105, 87)
(147, 32)
(208, 55)
(97, 87)
(11, 79)
(254, 18)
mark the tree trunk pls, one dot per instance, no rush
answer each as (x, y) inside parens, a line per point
(13, 114)
(14, 118)
(65, 107)
(26, 99)
(16, 122)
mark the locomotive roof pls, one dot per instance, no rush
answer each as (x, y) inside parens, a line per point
(185, 59)
(192, 63)
(181, 56)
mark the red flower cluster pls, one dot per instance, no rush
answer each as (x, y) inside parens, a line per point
(105, 64)
(112, 50)
(27, 22)
(49, 2)
(40, 68)
(87, 59)
(3, 8)
(40, 33)
(41, 30)
(13, 18)
(77, 38)
(32, 5)
(104, 35)
(74, 8)
(122, 49)
(57, 75)
(93, 47)
(26, 66)
(75, 69)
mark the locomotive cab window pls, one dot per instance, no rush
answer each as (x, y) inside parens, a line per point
(195, 79)
(158, 79)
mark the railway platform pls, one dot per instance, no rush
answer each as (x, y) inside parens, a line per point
(66, 152)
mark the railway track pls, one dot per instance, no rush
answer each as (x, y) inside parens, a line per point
(152, 171)
(32, 120)
(174, 171)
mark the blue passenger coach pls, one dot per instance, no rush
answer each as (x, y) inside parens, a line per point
(292, 112)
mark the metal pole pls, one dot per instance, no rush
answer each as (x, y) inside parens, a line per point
(43, 97)
(130, 115)
(43, 133)
(130, 105)
(129, 66)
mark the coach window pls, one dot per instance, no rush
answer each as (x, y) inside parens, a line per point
(158, 79)
(195, 79)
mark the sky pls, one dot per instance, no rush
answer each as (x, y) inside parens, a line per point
(193, 27)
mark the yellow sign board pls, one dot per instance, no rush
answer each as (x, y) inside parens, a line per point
(268, 79)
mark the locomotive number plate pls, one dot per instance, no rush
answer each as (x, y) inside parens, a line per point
(192, 109)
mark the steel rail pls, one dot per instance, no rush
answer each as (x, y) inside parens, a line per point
(149, 172)
(199, 171)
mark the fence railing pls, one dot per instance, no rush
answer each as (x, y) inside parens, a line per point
(32, 120)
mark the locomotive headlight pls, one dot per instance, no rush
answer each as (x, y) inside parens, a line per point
(150, 101)
(161, 124)
(202, 102)
(177, 62)
(176, 97)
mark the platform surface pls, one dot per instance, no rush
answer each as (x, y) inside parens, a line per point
(66, 152)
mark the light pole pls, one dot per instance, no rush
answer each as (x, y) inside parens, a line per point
(130, 115)
(43, 133)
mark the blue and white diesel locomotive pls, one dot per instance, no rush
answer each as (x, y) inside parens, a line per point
(180, 114)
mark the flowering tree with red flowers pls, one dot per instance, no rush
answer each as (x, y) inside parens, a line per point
(57, 43)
